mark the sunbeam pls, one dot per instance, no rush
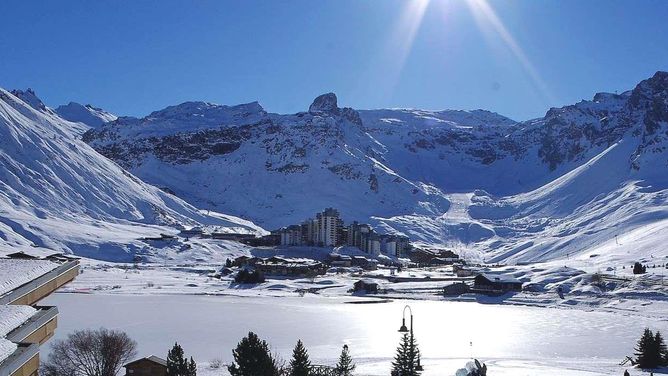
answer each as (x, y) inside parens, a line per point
(486, 16)
(400, 43)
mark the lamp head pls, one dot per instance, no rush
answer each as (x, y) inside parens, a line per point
(403, 328)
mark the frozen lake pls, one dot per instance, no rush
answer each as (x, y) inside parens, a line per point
(512, 340)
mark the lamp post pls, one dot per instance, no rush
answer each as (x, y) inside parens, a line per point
(404, 329)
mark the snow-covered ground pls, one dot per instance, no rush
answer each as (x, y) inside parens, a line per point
(512, 340)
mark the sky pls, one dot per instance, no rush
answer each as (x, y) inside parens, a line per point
(514, 57)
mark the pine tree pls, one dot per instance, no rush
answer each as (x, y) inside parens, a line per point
(252, 358)
(406, 360)
(646, 350)
(345, 366)
(192, 367)
(300, 365)
(176, 362)
(661, 350)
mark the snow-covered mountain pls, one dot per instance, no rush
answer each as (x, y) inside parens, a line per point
(91, 116)
(562, 185)
(56, 192)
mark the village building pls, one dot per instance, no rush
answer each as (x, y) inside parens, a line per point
(364, 263)
(496, 283)
(426, 256)
(366, 285)
(455, 289)
(26, 279)
(270, 240)
(462, 271)
(287, 267)
(327, 224)
(328, 230)
(149, 366)
(341, 261)
(292, 235)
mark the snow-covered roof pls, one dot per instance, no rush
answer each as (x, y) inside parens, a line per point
(17, 272)
(13, 316)
(151, 358)
(502, 278)
(6, 349)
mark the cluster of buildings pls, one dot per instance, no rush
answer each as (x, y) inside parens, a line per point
(281, 266)
(25, 325)
(328, 230)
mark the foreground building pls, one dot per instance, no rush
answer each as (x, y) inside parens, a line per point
(149, 366)
(25, 325)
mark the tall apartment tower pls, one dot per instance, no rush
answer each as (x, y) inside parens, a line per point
(327, 224)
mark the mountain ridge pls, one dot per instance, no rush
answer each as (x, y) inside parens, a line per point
(474, 180)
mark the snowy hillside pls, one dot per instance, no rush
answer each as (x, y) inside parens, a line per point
(275, 169)
(56, 192)
(559, 186)
(91, 116)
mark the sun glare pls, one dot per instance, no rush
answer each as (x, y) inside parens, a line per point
(486, 17)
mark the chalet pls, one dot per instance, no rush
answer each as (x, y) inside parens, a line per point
(366, 285)
(149, 366)
(26, 279)
(263, 241)
(426, 256)
(279, 266)
(456, 289)
(364, 263)
(462, 271)
(496, 283)
(337, 260)
(245, 260)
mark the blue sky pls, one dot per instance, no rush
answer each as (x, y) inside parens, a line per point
(133, 57)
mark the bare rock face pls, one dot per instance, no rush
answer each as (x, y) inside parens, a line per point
(325, 103)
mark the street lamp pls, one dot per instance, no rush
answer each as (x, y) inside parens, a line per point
(404, 329)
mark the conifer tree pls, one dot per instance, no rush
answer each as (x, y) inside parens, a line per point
(252, 358)
(300, 365)
(406, 360)
(177, 365)
(192, 367)
(646, 351)
(661, 350)
(345, 366)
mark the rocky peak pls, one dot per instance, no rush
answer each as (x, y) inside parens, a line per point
(651, 92)
(325, 103)
(29, 97)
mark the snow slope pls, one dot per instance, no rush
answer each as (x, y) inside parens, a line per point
(490, 187)
(57, 192)
(91, 116)
(276, 169)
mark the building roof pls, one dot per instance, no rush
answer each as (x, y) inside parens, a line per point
(12, 317)
(500, 278)
(7, 348)
(17, 272)
(151, 358)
